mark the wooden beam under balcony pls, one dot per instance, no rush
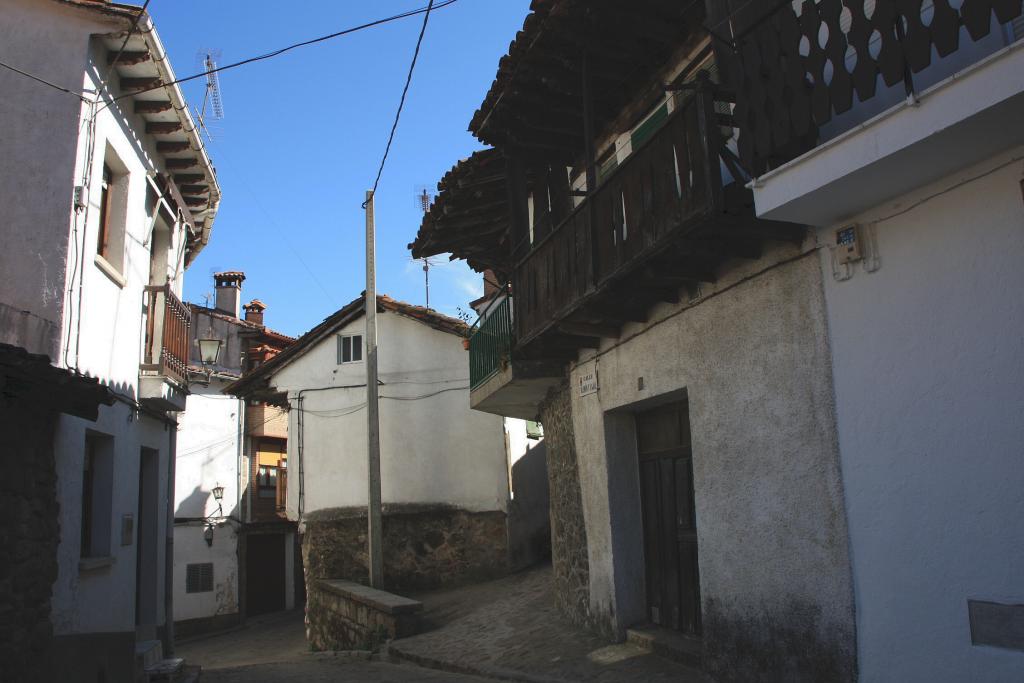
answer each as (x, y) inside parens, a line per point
(151, 106)
(603, 331)
(194, 189)
(171, 147)
(134, 84)
(188, 178)
(127, 58)
(162, 127)
(181, 162)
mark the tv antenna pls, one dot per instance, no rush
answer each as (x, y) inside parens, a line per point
(423, 201)
(212, 96)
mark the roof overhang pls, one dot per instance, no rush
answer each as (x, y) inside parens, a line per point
(535, 103)
(469, 217)
(184, 173)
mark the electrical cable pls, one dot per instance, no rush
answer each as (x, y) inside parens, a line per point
(44, 81)
(275, 53)
(405, 91)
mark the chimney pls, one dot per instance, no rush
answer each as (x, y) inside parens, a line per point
(229, 291)
(254, 311)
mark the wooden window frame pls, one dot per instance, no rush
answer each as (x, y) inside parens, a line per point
(199, 577)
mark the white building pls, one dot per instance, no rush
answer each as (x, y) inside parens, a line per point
(920, 221)
(107, 196)
(443, 467)
(234, 549)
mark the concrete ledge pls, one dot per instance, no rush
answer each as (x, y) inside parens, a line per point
(388, 603)
(344, 615)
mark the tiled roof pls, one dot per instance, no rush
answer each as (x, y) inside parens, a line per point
(30, 377)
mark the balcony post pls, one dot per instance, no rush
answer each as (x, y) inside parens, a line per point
(588, 147)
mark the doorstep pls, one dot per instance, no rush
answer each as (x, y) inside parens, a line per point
(667, 643)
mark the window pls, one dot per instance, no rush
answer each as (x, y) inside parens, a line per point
(266, 481)
(350, 348)
(113, 211)
(534, 430)
(103, 239)
(199, 577)
(97, 481)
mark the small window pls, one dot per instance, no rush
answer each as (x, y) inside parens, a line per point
(199, 577)
(97, 479)
(350, 348)
(103, 238)
(534, 430)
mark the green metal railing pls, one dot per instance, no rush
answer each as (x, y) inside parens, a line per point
(490, 343)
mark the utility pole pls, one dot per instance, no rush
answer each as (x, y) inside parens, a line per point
(375, 553)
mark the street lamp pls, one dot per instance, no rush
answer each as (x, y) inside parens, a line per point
(209, 350)
(218, 493)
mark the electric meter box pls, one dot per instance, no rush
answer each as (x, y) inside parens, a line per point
(848, 248)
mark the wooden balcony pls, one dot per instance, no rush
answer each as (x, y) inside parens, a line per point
(163, 375)
(662, 220)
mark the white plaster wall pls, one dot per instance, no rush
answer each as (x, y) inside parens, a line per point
(208, 451)
(208, 456)
(103, 600)
(752, 359)
(190, 547)
(79, 315)
(38, 147)
(928, 378)
(434, 449)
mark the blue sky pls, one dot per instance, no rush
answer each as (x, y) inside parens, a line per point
(303, 134)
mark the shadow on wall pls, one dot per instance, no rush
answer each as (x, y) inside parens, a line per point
(529, 525)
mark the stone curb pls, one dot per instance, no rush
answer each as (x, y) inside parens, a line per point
(342, 654)
(496, 673)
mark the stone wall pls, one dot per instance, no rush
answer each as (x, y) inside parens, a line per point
(425, 546)
(569, 561)
(343, 615)
(28, 542)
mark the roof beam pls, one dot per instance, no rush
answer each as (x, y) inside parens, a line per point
(162, 127)
(151, 106)
(127, 58)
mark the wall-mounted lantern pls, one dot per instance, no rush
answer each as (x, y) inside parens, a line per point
(218, 493)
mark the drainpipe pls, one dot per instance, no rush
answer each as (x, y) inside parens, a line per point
(172, 454)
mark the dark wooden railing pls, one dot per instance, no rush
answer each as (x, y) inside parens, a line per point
(651, 199)
(167, 334)
(796, 67)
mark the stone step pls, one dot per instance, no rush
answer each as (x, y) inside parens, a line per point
(148, 653)
(169, 670)
(668, 644)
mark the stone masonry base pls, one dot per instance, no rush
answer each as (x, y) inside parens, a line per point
(425, 546)
(343, 615)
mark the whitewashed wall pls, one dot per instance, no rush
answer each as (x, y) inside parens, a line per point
(928, 377)
(433, 449)
(81, 316)
(209, 433)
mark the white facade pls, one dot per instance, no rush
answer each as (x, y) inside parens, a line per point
(434, 449)
(926, 336)
(209, 455)
(60, 297)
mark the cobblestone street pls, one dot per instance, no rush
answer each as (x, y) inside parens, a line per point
(273, 649)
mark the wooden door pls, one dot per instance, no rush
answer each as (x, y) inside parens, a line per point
(670, 530)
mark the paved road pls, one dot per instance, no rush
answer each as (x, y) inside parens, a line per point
(273, 649)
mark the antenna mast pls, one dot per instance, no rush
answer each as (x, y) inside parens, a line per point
(212, 95)
(423, 200)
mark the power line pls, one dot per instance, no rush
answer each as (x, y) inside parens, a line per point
(405, 90)
(275, 53)
(43, 81)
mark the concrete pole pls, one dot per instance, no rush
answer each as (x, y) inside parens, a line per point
(374, 523)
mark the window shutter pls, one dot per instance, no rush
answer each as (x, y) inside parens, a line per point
(199, 577)
(357, 347)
